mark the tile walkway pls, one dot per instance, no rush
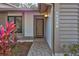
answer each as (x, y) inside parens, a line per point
(39, 48)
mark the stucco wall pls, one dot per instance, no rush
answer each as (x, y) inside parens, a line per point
(49, 28)
(15, 13)
(3, 17)
(29, 19)
(27, 22)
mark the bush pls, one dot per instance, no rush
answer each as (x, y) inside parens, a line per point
(72, 49)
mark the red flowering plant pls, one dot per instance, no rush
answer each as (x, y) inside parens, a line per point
(7, 36)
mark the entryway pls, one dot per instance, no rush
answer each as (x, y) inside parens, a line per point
(39, 48)
(39, 26)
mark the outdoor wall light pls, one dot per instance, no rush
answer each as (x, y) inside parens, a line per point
(46, 16)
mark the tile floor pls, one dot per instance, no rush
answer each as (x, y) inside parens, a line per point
(39, 48)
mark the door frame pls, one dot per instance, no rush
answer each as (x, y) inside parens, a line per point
(34, 23)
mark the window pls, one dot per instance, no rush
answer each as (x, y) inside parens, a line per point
(18, 21)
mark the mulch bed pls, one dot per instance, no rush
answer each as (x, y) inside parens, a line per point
(21, 49)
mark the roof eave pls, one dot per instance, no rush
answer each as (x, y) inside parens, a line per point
(19, 9)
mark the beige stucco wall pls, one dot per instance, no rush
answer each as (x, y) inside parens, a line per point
(15, 13)
(28, 21)
(3, 18)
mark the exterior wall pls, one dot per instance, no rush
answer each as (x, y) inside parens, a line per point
(57, 41)
(49, 28)
(15, 13)
(18, 14)
(66, 25)
(3, 17)
(29, 19)
(27, 22)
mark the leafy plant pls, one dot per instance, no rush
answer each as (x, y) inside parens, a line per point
(15, 50)
(73, 49)
(65, 54)
(7, 36)
(25, 5)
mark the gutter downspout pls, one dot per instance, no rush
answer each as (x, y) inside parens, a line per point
(53, 29)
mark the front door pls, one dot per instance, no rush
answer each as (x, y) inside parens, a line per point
(39, 28)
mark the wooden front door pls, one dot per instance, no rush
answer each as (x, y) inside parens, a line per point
(39, 28)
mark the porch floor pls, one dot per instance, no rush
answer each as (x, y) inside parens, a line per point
(39, 48)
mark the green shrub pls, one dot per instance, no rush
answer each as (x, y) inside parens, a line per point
(72, 49)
